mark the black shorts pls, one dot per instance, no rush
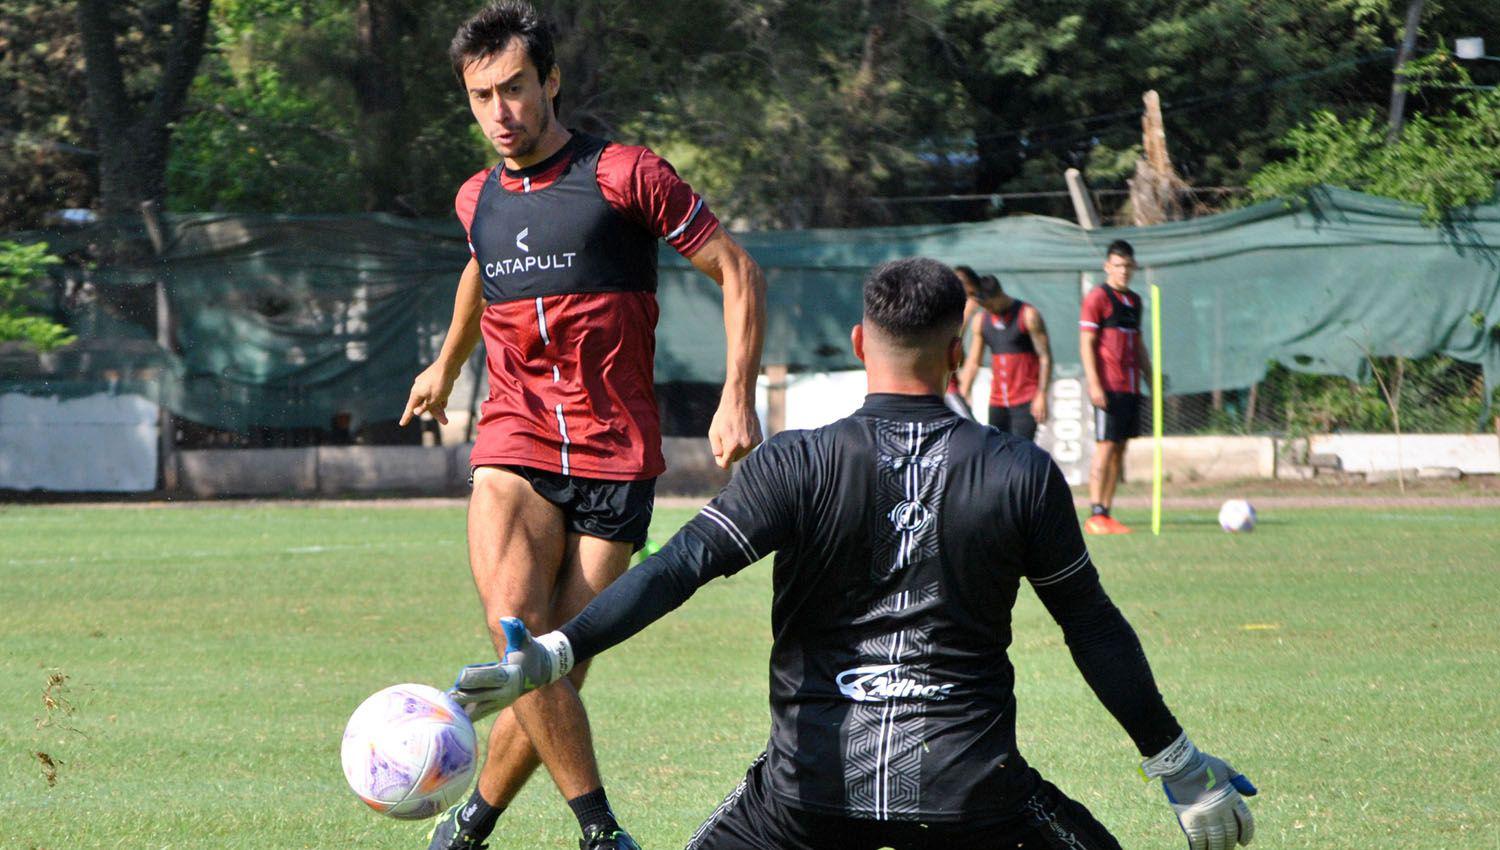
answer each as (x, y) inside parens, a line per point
(1014, 420)
(1119, 419)
(753, 818)
(596, 507)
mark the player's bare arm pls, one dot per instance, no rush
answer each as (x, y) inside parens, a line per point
(1087, 345)
(1037, 328)
(430, 391)
(972, 359)
(735, 429)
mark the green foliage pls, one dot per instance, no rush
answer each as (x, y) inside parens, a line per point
(1444, 159)
(21, 268)
(1435, 394)
(255, 144)
(1050, 83)
(44, 125)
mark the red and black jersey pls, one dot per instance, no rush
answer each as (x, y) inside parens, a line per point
(1014, 365)
(567, 255)
(1116, 318)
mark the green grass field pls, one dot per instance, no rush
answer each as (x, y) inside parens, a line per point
(1347, 660)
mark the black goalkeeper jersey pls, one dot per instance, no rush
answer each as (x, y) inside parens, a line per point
(901, 535)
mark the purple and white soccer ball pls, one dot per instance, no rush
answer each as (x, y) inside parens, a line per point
(1237, 515)
(409, 751)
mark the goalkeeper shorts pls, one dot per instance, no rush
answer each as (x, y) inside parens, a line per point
(754, 818)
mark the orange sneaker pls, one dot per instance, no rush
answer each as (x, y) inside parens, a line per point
(1115, 526)
(1097, 524)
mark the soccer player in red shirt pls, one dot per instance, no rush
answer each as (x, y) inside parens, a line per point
(1020, 356)
(561, 286)
(1114, 357)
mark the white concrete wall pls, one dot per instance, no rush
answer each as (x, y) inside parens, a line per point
(95, 444)
(1214, 458)
(1473, 454)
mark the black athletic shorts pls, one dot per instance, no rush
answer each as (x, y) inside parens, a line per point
(1014, 420)
(1119, 419)
(597, 507)
(753, 818)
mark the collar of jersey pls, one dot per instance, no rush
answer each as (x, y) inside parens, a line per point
(910, 408)
(538, 168)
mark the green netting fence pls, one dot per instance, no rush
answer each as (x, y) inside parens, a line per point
(285, 321)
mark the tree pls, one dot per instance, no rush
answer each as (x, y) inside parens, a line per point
(45, 141)
(1059, 84)
(133, 114)
(1443, 159)
(21, 267)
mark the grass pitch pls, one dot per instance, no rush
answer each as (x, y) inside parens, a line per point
(187, 673)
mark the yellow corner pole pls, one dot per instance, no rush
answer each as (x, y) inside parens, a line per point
(1156, 409)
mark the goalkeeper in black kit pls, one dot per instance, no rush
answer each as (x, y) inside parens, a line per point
(901, 536)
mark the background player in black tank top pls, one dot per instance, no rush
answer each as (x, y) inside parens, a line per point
(901, 535)
(1021, 372)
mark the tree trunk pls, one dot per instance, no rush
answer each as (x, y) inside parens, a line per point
(383, 134)
(1398, 81)
(134, 142)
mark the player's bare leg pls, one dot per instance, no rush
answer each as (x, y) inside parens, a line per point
(1104, 477)
(525, 564)
(517, 542)
(1099, 467)
(589, 565)
(1116, 468)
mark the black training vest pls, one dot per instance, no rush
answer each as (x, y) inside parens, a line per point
(562, 239)
(1125, 315)
(1009, 338)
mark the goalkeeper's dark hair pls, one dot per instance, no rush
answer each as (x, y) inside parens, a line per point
(911, 301)
(1120, 248)
(490, 31)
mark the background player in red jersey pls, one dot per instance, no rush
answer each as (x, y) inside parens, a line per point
(562, 286)
(1114, 357)
(1020, 357)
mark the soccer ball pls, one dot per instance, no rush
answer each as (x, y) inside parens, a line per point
(1237, 515)
(409, 751)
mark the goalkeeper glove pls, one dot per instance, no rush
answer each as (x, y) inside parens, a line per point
(1206, 795)
(528, 664)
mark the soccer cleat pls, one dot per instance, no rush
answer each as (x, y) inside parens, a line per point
(1096, 524)
(598, 838)
(1115, 526)
(446, 835)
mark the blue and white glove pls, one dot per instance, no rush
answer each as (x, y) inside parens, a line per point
(528, 664)
(1207, 795)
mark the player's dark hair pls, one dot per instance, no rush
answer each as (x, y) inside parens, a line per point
(913, 300)
(1120, 248)
(967, 271)
(492, 28)
(989, 286)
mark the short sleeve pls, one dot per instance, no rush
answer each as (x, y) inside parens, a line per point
(648, 190)
(466, 201)
(1095, 309)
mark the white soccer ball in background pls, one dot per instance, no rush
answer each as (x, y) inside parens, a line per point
(1237, 515)
(409, 751)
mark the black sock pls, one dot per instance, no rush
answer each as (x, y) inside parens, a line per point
(592, 810)
(1097, 509)
(477, 817)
